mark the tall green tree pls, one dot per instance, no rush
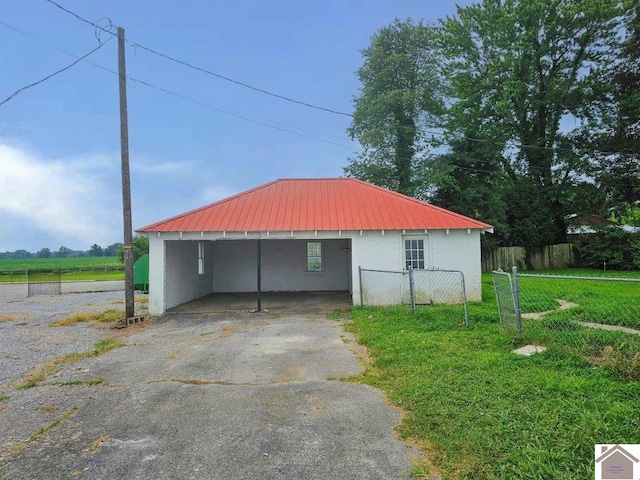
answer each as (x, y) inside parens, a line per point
(470, 181)
(401, 95)
(44, 253)
(63, 252)
(616, 134)
(517, 70)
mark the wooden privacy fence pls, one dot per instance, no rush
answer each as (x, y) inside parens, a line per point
(546, 258)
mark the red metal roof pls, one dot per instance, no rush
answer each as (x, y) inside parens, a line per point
(316, 204)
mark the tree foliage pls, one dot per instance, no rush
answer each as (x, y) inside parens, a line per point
(400, 95)
(518, 69)
(538, 102)
(469, 181)
(610, 246)
(615, 135)
(140, 246)
(44, 253)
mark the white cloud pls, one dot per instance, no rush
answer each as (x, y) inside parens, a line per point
(71, 200)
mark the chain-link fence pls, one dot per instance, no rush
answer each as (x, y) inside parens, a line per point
(413, 287)
(43, 282)
(597, 317)
(508, 310)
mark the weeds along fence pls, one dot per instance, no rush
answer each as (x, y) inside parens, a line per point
(597, 317)
(20, 276)
(418, 288)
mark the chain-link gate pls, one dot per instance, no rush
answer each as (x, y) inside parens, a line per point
(507, 300)
(413, 287)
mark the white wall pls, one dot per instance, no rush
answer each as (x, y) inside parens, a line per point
(457, 250)
(460, 250)
(173, 273)
(372, 250)
(283, 266)
(156, 275)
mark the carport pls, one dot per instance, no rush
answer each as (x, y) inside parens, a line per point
(233, 272)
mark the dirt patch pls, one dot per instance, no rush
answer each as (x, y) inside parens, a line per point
(563, 305)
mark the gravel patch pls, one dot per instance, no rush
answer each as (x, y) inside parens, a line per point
(27, 338)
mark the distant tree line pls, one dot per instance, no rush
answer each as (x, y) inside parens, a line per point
(140, 247)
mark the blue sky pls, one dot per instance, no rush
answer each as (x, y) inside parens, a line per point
(60, 140)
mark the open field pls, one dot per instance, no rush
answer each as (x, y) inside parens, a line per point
(480, 411)
(71, 268)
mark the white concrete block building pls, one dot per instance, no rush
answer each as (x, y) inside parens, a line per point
(306, 235)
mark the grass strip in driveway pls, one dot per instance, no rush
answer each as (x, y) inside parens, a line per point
(480, 411)
(40, 373)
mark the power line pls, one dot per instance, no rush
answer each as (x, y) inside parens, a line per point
(204, 70)
(17, 92)
(189, 99)
(512, 144)
(198, 102)
(217, 75)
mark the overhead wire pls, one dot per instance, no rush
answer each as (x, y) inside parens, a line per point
(184, 97)
(204, 70)
(512, 144)
(26, 87)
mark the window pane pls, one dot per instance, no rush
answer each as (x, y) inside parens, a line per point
(314, 249)
(314, 264)
(414, 254)
(314, 256)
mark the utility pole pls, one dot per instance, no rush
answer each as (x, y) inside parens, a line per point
(126, 182)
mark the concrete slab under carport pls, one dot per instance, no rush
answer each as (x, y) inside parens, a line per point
(278, 302)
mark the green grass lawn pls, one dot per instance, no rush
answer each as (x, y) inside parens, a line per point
(72, 268)
(480, 411)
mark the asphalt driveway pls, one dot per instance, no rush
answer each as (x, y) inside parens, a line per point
(209, 396)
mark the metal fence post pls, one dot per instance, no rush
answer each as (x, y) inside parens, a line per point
(412, 291)
(464, 300)
(516, 300)
(360, 279)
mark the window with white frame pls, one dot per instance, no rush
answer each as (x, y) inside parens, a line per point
(414, 254)
(200, 258)
(314, 256)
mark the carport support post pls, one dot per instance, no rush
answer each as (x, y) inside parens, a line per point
(259, 269)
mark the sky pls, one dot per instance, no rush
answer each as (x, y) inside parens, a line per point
(193, 138)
